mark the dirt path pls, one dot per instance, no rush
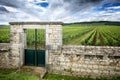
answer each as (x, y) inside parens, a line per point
(101, 39)
(94, 39)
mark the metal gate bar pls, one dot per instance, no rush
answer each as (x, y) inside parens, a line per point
(35, 47)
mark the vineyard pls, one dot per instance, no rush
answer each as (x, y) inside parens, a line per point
(4, 34)
(99, 35)
(77, 34)
(36, 37)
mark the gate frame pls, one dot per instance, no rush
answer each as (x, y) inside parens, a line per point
(18, 40)
(35, 48)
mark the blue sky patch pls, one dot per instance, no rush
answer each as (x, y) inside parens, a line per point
(43, 4)
(106, 7)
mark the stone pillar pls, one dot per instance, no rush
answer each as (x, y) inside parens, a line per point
(54, 38)
(16, 42)
(53, 42)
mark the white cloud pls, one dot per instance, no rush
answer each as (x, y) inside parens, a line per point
(114, 7)
(58, 10)
(11, 9)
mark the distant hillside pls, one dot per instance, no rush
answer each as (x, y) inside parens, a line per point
(87, 23)
(97, 22)
(4, 25)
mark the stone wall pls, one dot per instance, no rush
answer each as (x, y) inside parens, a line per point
(92, 61)
(4, 55)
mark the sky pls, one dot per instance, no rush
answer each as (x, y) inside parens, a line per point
(67, 11)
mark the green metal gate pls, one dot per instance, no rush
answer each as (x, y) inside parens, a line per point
(35, 52)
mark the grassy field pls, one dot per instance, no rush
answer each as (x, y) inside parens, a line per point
(13, 75)
(97, 34)
(17, 75)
